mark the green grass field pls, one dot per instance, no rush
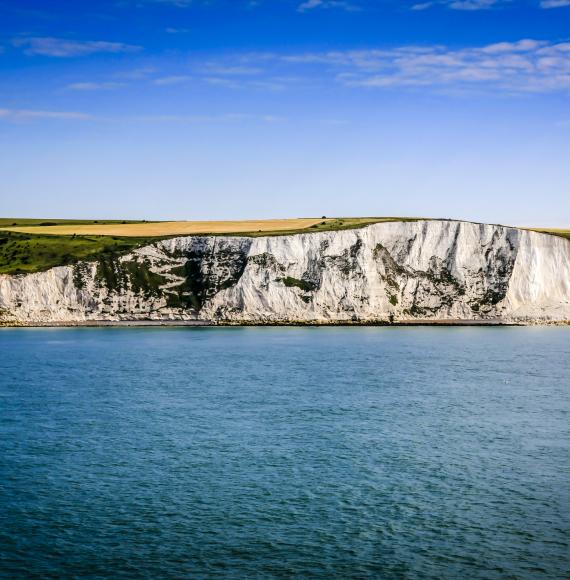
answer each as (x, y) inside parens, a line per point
(27, 252)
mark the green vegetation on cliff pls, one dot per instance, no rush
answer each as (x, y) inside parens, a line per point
(26, 253)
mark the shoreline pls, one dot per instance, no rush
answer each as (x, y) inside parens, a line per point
(214, 324)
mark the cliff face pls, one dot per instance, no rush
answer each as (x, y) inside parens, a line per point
(397, 271)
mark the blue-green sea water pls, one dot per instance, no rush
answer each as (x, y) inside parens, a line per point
(285, 452)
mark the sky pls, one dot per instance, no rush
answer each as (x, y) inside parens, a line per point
(236, 109)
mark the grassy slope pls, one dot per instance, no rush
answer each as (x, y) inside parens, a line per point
(25, 253)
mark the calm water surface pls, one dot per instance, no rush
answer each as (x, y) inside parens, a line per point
(285, 452)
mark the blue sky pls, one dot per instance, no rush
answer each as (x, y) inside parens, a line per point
(212, 109)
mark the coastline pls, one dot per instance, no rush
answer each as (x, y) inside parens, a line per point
(211, 324)
(366, 278)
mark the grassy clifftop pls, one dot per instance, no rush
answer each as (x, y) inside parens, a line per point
(185, 228)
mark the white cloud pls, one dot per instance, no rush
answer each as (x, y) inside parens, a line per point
(473, 4)
(61, 47)
(236, 70)
(273, 85)
(519, 67)
(525, 45)
(23, 114)
(206, 119)
(90, 86)
(468, 5)
(177, 3)
(312, 4)
(239, 76)
(171, 80)
(554, 3)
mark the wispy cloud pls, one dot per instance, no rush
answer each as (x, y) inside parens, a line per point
(23, 114)
(473, 4)
(176, 3)
(93, 86)
(554, 3)
(137, 73)
(422, 6)
(206, 119)
(15, 115)
(223, 82)
(233, 70)
(507, 67)
(312, 4)
(63, 48)
(468, 5)
(240, 73)
(265, 84)
(171, 80)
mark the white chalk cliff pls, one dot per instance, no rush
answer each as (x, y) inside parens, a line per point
(387, 272)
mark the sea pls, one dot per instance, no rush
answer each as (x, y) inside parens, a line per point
(285, 452)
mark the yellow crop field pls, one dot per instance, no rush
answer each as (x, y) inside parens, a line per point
(159, 229)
